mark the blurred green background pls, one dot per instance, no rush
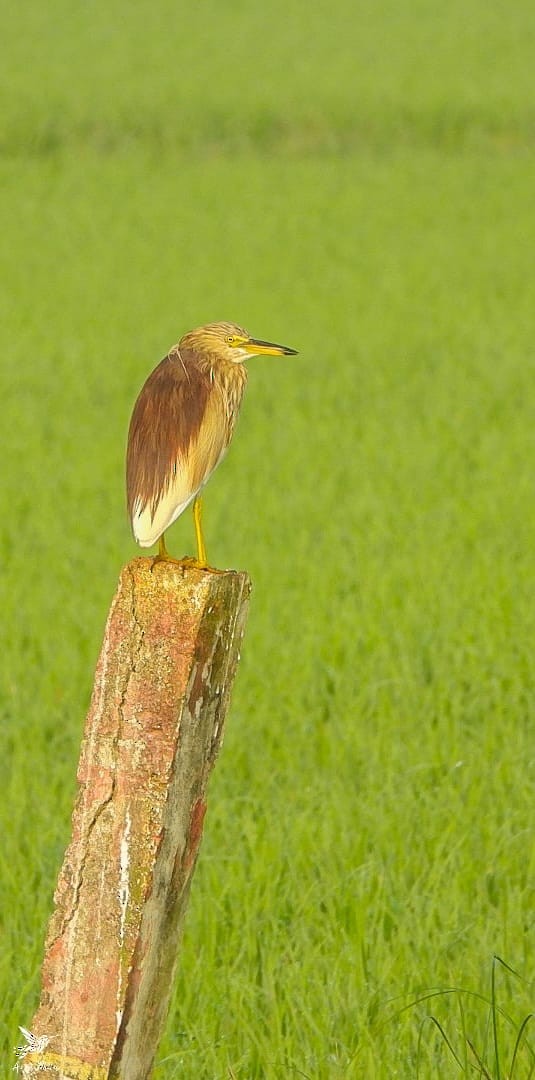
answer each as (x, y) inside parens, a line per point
(357, 181)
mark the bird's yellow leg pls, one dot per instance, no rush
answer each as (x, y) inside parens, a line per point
(201, 560)
(163, 554)
(162, 550)
(201, 550)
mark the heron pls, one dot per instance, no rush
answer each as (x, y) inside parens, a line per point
(181, 427)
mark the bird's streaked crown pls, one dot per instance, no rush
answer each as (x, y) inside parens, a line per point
(228, 341)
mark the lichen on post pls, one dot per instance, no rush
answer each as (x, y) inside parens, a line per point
(152, 734)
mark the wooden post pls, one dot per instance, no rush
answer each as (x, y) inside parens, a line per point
(154, 728)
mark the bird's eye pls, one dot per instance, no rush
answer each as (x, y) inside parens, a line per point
(230, 339)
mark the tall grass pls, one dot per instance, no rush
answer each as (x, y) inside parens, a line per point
(358, 184)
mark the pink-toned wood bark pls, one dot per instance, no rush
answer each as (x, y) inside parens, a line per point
(154, 728)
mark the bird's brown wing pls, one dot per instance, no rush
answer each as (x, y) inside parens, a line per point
(177, 436)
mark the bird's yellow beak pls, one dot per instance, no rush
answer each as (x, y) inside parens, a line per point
(267, 348)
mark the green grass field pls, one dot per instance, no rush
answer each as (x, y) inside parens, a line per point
(356, 181)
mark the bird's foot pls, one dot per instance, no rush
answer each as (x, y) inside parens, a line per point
(190, 560)
(164, 556)
(166, 559)
(187, 561)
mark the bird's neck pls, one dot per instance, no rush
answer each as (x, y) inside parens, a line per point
(223, 372)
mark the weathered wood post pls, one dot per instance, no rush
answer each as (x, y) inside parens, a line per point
(154, 728)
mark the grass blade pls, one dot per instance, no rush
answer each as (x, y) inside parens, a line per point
(519, 1038)
(438, 1025)
(494, 1017)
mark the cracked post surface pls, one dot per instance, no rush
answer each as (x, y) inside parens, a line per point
(153, 730)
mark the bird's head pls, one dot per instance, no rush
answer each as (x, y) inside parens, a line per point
(226, 341)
